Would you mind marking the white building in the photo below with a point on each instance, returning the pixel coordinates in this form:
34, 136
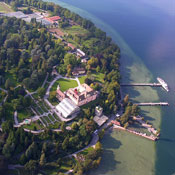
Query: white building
100, 120
67, 108
17, 14
98, 110
80, 53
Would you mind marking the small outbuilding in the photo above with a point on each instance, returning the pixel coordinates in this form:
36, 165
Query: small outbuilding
100, 120
78, 71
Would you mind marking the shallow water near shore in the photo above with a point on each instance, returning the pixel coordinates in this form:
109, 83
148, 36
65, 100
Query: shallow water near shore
144, 30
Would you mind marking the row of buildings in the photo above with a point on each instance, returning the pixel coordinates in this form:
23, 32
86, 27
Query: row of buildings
40, 17
49, 21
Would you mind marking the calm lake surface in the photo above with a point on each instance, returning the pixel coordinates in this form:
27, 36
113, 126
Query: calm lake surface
145, 32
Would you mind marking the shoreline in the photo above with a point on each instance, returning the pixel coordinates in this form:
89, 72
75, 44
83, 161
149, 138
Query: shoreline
145, 75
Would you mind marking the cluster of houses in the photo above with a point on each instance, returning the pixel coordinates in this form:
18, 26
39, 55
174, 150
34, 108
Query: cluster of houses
40, 17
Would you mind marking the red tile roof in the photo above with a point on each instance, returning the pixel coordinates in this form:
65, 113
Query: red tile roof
116, 122
53, 18
71, 46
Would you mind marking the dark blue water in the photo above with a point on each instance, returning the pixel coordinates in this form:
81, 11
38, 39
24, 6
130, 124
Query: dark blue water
145, 32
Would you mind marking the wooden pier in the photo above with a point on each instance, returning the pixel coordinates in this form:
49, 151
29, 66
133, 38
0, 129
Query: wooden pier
153, 104
143, 84
151, 137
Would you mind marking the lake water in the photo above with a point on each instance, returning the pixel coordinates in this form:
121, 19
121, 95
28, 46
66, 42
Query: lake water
145, 32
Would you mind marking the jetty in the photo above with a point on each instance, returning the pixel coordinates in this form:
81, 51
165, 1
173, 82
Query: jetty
143, 84
153, 104
151, 137
161, 83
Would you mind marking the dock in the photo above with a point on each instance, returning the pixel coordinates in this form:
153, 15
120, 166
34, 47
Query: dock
153, 104
143, 84
161, 83
151, 137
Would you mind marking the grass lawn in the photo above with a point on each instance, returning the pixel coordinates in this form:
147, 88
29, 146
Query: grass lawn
91, 42
46, 105
72, 42
32, 126
64, 84
42, 106
82, 79
98, 77
56, 117
76, 30
4, 8
43, 121
39, 110
51, 118
47, 119
85, 152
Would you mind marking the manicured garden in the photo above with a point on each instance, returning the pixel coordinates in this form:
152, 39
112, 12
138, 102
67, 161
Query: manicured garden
82, 79
99, 77
64, 84
34, 126
96, 76
24, 114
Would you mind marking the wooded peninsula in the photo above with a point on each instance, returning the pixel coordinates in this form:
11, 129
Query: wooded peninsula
59, 89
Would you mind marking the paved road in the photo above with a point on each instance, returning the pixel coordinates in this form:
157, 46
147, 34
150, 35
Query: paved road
50, 86
79, 84
93, 142
15, 118
4, 90
45, 80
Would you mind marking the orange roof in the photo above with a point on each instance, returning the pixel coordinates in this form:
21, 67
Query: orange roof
116, 122
59, 92
54, 18
71, 46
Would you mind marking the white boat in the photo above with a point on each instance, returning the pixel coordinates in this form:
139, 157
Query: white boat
163, 83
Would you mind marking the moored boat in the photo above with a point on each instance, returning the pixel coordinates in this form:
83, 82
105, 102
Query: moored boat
163, 83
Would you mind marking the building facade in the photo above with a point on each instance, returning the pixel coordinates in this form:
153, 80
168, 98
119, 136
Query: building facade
82, 94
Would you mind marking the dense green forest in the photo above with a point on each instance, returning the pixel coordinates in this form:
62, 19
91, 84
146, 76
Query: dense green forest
27, 53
